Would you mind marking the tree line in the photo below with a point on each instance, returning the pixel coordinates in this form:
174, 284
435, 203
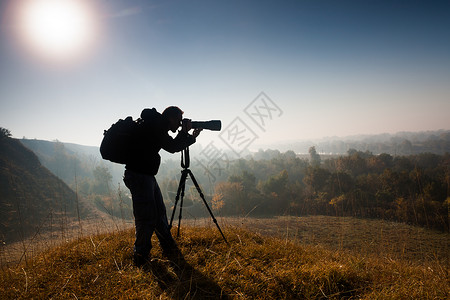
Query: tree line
413, 189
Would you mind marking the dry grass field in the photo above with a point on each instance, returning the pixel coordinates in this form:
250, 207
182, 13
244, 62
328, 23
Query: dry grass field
394, 240
282, 258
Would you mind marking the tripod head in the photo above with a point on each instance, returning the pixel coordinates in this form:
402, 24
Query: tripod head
185, 158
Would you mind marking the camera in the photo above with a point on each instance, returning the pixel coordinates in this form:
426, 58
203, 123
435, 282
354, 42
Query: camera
214, 125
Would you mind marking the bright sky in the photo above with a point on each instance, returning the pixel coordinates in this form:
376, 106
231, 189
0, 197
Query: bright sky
326, 68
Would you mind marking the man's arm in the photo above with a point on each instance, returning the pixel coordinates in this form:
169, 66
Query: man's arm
180, 142
183, 138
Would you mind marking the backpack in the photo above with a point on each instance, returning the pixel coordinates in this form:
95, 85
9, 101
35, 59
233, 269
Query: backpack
120, 140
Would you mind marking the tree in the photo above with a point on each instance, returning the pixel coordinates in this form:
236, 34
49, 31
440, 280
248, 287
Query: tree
405, 147
276, 184
314, 157
247, 179
103, 179
316, 179
4, 133
228, 198
276, 192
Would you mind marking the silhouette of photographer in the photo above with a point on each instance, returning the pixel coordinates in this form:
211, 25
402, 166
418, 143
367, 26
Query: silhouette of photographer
148, 206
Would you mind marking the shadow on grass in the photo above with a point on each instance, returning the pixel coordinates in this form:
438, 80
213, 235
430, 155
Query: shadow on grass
180, 280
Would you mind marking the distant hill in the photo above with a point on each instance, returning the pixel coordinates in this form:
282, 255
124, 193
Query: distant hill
66, 160
400, 143
48, 148
31, 197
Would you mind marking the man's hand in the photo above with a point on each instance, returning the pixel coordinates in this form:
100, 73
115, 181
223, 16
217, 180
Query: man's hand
196, 132
186, 125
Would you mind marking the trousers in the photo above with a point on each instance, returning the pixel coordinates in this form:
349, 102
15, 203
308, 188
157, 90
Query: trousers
149, 212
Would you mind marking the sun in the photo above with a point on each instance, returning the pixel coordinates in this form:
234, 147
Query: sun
57, 30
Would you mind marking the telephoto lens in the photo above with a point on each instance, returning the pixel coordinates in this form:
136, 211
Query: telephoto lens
214, 125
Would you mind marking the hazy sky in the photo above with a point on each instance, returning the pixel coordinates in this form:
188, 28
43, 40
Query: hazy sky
326, 68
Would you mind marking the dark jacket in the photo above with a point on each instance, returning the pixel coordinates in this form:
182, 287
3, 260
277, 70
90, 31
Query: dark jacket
152, 137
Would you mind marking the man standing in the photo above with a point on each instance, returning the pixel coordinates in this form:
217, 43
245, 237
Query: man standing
148, 206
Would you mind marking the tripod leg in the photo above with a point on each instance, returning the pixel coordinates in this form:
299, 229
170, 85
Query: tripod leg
181, 205
180, 188
206, 204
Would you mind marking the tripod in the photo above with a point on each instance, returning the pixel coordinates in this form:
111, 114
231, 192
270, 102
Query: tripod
185, 162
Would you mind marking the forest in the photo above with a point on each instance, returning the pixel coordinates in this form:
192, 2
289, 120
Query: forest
413, 189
